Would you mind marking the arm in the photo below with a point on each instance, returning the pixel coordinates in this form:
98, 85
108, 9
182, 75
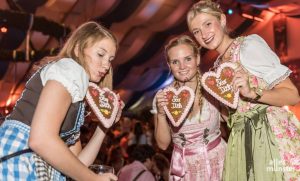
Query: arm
284, 93
275, 96
49, 115
88, 154
258, 58
162, 130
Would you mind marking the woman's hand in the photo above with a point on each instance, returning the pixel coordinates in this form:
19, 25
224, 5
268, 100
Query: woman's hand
121, 106
107, 177
161, 101
162, 130
241, 82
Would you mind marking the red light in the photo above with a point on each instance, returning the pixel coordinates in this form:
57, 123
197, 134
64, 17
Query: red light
3, 29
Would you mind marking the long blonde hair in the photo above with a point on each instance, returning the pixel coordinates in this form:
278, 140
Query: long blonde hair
186, 40
85, 35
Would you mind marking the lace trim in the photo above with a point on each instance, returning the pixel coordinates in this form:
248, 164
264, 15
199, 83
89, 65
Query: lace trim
72, 140
232, 50
280, 79
78, 122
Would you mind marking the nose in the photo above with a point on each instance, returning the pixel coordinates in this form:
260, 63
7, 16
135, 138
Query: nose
204, 34
181, 66
106, 64
201, 35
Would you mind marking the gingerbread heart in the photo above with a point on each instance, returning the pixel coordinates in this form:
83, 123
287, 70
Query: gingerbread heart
218, 84
179, 103
104, 103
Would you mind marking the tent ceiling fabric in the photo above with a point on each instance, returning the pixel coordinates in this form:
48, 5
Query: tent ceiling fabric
142, 27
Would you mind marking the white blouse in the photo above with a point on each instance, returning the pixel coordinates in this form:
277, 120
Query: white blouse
70, 74
258, 58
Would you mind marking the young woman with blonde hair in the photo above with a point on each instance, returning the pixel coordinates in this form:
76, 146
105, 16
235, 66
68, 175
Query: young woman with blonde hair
198, 149
39, 140
264, 142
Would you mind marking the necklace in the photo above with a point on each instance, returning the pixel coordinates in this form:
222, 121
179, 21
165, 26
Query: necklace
220, 57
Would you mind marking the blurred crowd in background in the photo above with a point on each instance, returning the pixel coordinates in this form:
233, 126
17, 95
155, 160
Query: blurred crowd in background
123, 142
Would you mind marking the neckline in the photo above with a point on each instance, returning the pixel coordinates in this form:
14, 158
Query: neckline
220, 57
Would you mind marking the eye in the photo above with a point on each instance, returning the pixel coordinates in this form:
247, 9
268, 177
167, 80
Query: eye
174, 62
188, 59
195, 32
101, 54
208, 24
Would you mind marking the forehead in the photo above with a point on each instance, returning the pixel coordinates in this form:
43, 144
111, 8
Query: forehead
201, 18
102, 41
180, 50
105, 43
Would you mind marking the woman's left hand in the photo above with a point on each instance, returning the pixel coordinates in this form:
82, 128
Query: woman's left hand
241, 82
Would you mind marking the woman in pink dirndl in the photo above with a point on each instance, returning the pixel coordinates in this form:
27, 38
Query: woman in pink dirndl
198, 149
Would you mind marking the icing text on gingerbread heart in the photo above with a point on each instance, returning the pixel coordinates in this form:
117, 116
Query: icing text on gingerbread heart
218, 84
104, 103
179, 103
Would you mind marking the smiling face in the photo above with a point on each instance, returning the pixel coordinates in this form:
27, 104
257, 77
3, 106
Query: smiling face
208, 30
183, 62
98, 57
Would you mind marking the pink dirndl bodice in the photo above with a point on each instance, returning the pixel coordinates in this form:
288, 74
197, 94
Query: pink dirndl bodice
199, 150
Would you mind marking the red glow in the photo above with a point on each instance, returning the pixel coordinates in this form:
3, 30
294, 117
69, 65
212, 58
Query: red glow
3, 29
8, 102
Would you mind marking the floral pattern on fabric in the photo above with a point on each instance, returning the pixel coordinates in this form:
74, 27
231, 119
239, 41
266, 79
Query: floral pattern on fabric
284, 124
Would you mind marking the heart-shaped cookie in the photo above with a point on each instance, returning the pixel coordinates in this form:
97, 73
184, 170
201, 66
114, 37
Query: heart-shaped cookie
179, 103
218, 84
104, 103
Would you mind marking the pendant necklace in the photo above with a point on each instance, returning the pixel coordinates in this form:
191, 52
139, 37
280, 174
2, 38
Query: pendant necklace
220, 57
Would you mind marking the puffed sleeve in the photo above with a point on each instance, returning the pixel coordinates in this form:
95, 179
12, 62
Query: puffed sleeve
258, 58
70, 74
154, 107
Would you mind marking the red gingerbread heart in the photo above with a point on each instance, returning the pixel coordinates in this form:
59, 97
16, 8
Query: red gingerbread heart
104, 103
179, 103
218, 84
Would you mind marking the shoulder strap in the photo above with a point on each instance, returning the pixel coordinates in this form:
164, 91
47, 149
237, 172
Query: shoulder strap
138, 175
4, 158
236, 49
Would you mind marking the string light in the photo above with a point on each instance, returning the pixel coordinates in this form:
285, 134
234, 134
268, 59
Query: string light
248, 16
274, 10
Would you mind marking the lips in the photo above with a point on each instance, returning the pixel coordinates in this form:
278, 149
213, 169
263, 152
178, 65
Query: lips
101, 74
182, 73
208, 40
